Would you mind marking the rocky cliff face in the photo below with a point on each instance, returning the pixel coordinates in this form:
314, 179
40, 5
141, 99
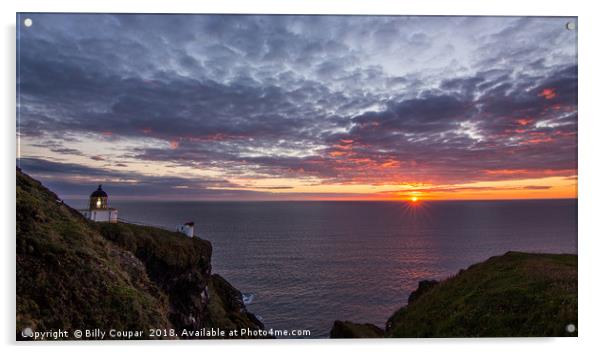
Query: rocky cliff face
513, 295
179, 266
75, 274
227, 310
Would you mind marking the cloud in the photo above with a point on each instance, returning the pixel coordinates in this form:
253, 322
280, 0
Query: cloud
76, 180
462, 189
469, 134
342, 99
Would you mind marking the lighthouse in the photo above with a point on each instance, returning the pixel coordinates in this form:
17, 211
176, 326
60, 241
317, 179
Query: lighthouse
98, 207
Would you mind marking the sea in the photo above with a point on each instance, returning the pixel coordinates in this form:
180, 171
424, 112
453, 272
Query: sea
302, 265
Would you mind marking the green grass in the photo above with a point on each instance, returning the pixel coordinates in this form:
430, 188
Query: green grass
70, 277
517, 294
161, 250
76, 274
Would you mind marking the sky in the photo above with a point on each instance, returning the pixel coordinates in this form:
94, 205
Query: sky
241, 107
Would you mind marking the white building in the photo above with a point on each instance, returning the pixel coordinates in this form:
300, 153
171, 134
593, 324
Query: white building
187, 229
98, 209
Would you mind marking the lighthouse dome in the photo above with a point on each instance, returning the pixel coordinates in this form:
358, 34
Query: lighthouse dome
99, 193
99, 199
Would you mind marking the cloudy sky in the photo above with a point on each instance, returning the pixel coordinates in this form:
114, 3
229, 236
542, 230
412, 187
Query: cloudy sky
207, 107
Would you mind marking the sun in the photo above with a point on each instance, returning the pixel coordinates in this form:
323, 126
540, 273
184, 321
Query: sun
414, 199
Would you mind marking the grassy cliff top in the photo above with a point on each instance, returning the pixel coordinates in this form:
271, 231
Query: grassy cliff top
69, 276
169, 250
516, 294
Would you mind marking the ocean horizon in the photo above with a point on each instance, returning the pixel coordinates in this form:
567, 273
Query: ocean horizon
305, 264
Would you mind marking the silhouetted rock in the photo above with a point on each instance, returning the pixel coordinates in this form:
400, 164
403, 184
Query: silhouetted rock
423, 287
346, 329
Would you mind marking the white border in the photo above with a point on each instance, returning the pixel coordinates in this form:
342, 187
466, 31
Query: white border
590, 19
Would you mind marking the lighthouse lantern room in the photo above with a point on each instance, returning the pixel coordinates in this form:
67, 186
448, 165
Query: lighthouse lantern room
98, 199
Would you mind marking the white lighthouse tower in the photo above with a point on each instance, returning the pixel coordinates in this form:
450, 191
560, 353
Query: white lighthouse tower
98, 208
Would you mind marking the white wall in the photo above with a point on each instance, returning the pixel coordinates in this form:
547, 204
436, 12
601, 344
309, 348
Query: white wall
102, 215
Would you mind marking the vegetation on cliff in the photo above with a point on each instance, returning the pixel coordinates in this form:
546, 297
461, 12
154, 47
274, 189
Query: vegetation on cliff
347, 329
76, 274
516, 294
70, 277
180, 266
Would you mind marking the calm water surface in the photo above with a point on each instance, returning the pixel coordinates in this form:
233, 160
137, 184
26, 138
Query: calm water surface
310, 263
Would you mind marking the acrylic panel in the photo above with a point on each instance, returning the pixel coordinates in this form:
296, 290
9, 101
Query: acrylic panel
185, 176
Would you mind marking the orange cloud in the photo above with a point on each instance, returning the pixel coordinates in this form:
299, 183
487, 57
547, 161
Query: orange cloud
537, 140
524, 121
506, 172
548, 93
390, 164
337, 153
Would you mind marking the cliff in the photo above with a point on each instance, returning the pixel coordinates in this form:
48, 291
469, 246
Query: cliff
513, 295
76, 274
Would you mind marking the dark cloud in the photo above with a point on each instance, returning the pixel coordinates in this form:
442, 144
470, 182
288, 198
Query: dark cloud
345, 99
434, 112
537, 187
75, 180
58, 147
